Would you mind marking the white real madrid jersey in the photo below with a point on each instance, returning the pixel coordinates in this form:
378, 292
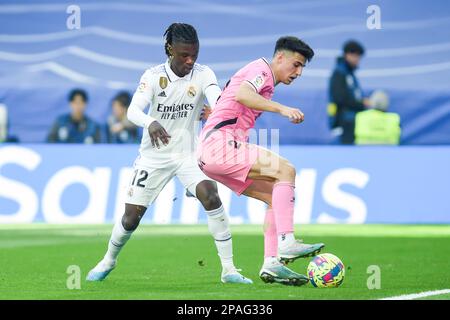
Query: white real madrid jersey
176, 103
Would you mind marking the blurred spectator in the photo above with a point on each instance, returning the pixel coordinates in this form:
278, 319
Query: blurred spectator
376, 126
119, 128
75, 127
4, 126
3, 123
345, 93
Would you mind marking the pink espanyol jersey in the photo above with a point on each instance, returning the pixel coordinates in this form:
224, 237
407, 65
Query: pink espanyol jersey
232, 116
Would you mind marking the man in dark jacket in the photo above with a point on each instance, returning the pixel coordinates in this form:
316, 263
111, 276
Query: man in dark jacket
345, 92
76, 126
119, 128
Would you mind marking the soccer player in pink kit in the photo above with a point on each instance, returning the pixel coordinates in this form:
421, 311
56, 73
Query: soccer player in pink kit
225, 155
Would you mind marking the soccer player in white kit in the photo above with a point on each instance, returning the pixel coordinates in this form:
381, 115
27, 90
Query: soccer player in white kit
176, 91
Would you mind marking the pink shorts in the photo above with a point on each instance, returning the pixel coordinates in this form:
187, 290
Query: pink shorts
226, 160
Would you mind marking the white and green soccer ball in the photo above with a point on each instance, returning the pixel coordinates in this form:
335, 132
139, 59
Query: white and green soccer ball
326, 271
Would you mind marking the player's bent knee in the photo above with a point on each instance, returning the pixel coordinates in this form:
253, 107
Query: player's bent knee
130, 223
290, 169
211, 201
132, 217
208, 195
287, 172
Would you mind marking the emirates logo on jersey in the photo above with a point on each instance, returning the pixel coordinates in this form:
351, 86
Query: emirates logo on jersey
191, 92
175, 111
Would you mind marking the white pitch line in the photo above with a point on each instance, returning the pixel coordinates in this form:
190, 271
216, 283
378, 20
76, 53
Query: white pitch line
418, 295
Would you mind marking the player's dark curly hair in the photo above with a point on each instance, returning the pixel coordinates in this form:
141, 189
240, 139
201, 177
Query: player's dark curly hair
179, 32
294, 44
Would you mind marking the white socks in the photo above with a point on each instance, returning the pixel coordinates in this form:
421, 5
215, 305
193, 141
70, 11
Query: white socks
285, 240
118, 239
218, 226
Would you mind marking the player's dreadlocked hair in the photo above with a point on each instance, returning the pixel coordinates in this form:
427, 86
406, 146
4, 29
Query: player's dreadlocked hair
179, 32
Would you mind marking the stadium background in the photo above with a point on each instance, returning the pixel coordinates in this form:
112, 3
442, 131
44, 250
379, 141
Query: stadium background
409, 58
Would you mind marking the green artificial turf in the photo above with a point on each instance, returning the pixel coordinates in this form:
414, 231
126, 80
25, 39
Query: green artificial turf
180, 262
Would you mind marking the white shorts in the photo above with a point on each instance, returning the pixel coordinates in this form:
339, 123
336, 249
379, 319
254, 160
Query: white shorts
150, 177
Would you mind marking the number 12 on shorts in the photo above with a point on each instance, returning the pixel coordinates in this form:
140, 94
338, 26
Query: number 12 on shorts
143, 175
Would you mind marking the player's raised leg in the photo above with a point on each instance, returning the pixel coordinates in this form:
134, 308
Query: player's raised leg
281, 174
121, 232
272, 270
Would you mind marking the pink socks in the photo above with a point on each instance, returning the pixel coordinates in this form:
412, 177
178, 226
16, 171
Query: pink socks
283, 201
270, 235
279, 221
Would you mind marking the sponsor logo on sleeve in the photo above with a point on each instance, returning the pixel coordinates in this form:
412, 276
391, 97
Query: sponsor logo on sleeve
258, 81
142, 87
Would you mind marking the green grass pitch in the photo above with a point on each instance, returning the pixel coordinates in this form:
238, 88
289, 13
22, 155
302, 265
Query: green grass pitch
180, 262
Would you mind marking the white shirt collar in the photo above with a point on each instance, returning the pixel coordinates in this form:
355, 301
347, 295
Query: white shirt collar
173, 76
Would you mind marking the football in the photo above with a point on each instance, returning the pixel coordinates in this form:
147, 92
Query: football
326, 271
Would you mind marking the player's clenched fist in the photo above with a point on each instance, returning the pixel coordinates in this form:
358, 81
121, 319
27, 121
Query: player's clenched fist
294, 115
157, 132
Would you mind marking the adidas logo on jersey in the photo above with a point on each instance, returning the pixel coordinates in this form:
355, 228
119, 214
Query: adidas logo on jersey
162, 94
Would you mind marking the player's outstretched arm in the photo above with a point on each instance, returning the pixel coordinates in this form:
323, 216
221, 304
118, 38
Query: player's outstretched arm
251, 99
